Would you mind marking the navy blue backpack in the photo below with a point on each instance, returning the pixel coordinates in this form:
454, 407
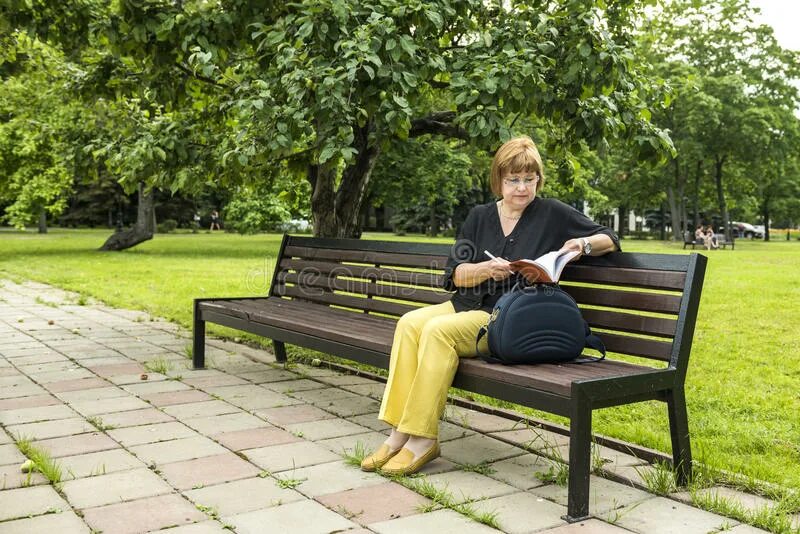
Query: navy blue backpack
540, 323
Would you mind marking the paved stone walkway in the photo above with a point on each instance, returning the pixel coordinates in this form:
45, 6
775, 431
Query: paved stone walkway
144, 443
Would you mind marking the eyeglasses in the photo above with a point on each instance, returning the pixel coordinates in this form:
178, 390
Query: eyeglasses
527, 181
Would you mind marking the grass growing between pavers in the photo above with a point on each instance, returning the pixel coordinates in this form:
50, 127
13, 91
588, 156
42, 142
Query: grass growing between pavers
41, 460
744, 412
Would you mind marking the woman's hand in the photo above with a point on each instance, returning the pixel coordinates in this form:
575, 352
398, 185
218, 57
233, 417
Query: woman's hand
498, 268
575, 245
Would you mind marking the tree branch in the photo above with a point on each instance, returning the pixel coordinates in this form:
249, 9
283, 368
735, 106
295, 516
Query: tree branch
438, 123
200, 77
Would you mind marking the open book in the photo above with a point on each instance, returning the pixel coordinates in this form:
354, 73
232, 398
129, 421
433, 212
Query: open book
545, 268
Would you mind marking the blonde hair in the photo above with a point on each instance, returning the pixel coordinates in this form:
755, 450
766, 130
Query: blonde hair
516, 155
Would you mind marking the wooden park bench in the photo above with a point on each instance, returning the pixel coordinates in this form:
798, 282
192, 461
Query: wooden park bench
343, 297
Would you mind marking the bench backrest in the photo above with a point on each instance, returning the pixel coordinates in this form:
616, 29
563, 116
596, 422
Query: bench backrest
641, 305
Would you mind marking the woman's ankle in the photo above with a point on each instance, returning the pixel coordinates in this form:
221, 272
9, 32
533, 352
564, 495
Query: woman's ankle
396, 439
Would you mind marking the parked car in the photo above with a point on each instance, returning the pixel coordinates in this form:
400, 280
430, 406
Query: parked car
760, 229
743, 229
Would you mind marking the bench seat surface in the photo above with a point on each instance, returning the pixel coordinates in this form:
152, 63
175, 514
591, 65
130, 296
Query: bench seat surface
375, 333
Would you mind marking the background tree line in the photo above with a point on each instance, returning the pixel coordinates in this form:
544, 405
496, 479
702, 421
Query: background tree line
160, 109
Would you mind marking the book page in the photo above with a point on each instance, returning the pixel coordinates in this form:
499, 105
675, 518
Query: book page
545, 268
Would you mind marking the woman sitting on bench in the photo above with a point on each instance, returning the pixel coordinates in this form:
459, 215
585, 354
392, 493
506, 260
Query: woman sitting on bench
711, 238
429, 341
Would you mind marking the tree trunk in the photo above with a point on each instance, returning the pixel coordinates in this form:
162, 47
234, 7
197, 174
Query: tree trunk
663, 236
696, 198
42, 221
335, 213
144, 228
765, 214
623, 221
723, 206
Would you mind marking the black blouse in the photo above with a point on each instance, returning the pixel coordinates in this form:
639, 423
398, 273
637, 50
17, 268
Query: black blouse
544, 226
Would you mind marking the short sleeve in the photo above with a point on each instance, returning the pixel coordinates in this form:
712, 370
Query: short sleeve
464, 250
582, 226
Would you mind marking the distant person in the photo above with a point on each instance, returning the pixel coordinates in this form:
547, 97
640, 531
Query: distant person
700, 235
215, 220
711, 238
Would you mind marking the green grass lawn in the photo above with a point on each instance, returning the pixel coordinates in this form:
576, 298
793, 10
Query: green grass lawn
743, 386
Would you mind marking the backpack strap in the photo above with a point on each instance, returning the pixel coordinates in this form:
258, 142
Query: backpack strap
485, 356
593, 342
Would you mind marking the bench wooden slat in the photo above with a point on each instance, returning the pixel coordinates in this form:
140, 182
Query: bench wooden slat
628, 322
555, 378
628, 300
380, 274
316, 282
650, 279
350, 301
425, 261
636, 346
338, 325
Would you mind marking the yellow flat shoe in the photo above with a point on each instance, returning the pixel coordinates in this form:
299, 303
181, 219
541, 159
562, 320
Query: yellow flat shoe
377, 459
403, 462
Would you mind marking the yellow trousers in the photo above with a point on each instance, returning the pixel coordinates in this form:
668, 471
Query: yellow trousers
425, 351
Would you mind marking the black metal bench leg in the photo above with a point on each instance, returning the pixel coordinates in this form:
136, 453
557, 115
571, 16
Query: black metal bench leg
679, 432
280, 351
198, 338
580, 444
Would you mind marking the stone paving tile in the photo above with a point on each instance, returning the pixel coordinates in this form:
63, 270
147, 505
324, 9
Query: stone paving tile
746, 529
65, 522
143, 515
39, 358
440, 522
24, 395
293, 414
39, 368
32, 415
255, 397
522, 513
290, 456
449, 431
659, 515
225, 423
177, 450
482, 422
243, 495
9, 454
207, 470
204, 527
254, 438
115, 487
200, 409
538, 439
465, 485
614, 459
478, 448
605, 496
144, 388
332, 477
98, 463
521, 471
325, 429
348, 444
355, 406
290, 386
24, 502
95, 394
11, 477
77, 444
374, 390
373, 504
104, 406
57, 376
52, 429
76, 385
372, 422
140, 435
323, 397
267, 375
349, 379
207, 382
124, 380
591, 526
169, 398
308, 517
136, 417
